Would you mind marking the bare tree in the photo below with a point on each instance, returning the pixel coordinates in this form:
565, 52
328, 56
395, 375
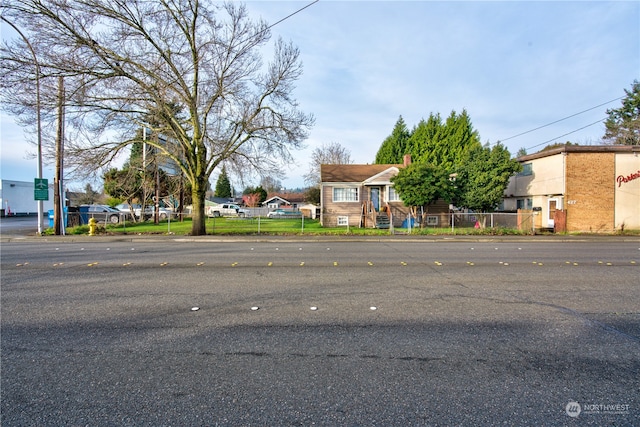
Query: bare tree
328, 154
271, 184
122, 59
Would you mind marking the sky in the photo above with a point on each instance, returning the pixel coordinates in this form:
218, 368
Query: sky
514, 66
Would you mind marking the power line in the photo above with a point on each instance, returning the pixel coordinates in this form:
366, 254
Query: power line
558, 121
294, 13
568, 133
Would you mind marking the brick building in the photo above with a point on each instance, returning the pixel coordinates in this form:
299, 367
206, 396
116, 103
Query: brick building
579, 188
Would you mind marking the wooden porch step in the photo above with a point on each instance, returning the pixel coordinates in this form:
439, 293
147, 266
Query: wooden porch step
382, 221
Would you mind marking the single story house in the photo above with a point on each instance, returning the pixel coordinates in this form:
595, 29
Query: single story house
363, 196
579, 188
280, 202
292, 201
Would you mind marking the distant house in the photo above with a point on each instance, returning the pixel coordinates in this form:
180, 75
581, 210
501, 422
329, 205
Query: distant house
363, 196
294, 202
276, 202
221, 200
579, 188
284, 201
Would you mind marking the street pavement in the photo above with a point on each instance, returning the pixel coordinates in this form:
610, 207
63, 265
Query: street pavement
21, 226
332, 332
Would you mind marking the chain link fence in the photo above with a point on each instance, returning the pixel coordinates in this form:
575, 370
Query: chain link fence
522, 221
259, 222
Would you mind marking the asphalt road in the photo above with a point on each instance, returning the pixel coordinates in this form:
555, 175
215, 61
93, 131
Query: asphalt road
403, 333
17, 226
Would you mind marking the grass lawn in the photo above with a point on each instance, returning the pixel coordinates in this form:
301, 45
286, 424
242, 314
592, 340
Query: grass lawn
268, 226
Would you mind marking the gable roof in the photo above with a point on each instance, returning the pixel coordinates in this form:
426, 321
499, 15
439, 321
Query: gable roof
382, 178
352, 173
288, 198
270, 199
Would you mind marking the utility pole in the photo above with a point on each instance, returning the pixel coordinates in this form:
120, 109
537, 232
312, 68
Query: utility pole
156, 198
58, 198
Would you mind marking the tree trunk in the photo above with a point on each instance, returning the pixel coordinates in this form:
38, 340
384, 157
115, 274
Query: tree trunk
482, 220
198, 218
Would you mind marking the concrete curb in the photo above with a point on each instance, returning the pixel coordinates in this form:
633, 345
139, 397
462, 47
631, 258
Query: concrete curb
150, 238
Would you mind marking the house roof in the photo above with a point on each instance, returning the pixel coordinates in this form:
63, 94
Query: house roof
270, 199
581, 149
352, 173
288, 198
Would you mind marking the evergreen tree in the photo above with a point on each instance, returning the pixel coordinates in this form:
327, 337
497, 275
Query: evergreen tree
261, 192
623, 124
312, 195
441, 144
395, 146
223, 185
483, 178
89, 197
447, 143
424, 138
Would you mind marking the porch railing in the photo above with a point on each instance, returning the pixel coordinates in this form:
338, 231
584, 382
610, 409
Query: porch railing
370, 217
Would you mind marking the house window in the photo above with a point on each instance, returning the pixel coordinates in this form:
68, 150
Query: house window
524, 203
343, 220
527, 170
432, 220
393, 195
345, 194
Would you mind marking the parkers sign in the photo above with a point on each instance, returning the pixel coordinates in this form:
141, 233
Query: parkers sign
621, 179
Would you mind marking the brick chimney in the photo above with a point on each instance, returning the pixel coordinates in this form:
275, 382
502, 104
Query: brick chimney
406, 160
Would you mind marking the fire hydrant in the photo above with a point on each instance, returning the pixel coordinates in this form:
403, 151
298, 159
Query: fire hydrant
93, 224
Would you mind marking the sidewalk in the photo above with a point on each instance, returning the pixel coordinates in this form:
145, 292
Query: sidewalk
13, 238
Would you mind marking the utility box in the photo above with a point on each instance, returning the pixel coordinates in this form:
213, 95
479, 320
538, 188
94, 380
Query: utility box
65, 217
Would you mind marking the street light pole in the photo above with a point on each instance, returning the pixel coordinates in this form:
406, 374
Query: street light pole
38, 121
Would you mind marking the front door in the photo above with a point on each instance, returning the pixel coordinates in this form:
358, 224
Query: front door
552, 212
375, 198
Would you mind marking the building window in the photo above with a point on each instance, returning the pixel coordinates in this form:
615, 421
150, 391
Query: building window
432, 220
527, 170
345, 194
343, 220
393, 195
524, 203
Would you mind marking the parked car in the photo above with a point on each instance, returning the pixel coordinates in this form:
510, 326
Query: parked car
124, 207
102, 213
284, 213
149, 210
163, 213
227, 209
